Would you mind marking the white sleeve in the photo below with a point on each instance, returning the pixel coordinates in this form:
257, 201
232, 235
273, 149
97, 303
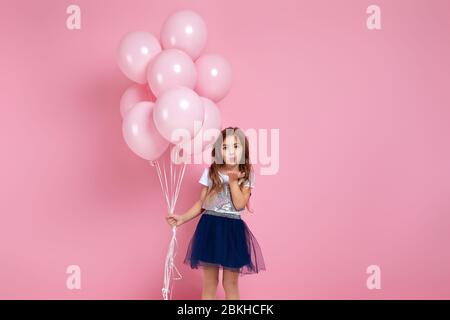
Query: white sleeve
204, 178
251, 181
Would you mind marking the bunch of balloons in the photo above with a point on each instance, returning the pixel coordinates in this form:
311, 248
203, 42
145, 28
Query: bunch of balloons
176, 86
172, 103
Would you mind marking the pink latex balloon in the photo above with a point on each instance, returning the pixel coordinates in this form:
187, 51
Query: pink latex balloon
169, 69
185, 30
210, 131
140, 133
136, 50
178, 108
134, 94
213, 76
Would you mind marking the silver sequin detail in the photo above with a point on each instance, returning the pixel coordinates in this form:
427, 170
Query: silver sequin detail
223, 214
221, 201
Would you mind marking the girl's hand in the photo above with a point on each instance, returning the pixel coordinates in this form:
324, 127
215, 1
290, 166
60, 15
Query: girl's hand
235, 176
175, 219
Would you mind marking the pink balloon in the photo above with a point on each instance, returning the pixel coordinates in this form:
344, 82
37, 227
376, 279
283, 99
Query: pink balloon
177, 111
136, 50
213, 77
134, 94
210, 131
169, 69
185, 30
140, 133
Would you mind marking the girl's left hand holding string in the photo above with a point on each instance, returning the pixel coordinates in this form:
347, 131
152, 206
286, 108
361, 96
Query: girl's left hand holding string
175, 219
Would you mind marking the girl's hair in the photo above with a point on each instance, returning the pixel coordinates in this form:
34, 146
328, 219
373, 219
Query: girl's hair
218, 162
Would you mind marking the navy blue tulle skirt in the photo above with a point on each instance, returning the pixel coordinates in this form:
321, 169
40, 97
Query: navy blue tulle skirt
224, 241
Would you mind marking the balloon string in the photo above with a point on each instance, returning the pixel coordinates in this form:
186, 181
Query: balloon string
167, 188
179, 182
170, 191
175, 179
171, 185
158, 169
169, 266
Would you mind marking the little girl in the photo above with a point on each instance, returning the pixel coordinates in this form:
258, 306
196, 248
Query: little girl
222, 239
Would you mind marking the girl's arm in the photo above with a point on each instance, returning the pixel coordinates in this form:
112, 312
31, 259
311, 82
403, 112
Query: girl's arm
238, 196
194, 211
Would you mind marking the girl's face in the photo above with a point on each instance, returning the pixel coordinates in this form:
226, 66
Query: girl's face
232, 150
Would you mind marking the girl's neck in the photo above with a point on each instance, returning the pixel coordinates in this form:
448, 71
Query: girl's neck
230, 167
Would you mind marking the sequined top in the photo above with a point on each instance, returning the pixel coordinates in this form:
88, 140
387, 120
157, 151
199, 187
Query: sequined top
221, 201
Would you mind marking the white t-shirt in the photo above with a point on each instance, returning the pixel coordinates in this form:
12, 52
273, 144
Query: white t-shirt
221, 201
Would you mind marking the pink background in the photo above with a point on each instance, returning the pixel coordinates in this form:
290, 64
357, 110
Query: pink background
364, 172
